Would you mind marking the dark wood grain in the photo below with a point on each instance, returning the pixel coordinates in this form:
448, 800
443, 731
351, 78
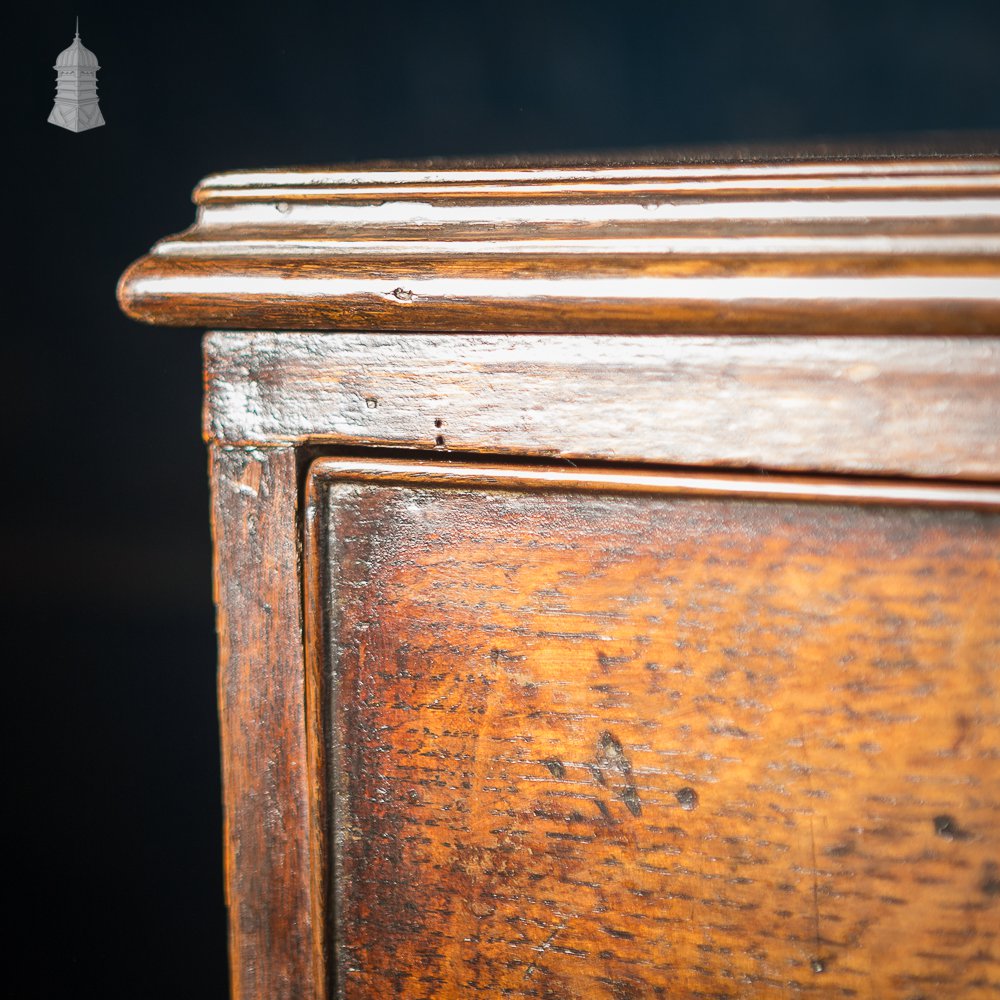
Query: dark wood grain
631, 723
269, 767
596, 743
868, 246
908, 405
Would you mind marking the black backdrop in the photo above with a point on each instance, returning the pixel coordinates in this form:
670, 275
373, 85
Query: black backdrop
110, 678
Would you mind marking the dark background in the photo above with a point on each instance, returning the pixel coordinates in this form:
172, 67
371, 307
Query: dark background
111, 687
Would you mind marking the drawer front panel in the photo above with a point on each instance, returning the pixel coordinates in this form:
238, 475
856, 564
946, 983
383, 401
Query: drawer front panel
592, 742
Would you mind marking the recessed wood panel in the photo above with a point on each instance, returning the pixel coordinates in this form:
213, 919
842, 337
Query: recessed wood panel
593, 743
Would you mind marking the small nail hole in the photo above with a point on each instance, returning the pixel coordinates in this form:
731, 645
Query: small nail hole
687, 799
371, 402
438, 422
947, 827
439, 441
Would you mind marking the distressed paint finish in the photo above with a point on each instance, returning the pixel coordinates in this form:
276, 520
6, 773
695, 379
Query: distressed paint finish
268, 768
596, 743
908, 405
900, 245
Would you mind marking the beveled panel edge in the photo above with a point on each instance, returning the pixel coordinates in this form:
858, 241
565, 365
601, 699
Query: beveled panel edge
747, 486
846, 246
909, 406
313, 535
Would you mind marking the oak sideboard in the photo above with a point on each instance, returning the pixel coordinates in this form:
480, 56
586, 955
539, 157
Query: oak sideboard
607, 559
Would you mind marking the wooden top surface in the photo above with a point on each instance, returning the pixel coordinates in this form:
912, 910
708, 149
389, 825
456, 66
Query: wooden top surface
818, 243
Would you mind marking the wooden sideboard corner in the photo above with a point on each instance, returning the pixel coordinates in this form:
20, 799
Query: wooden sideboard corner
607, 568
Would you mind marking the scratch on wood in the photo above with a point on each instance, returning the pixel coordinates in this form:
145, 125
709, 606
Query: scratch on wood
542, 949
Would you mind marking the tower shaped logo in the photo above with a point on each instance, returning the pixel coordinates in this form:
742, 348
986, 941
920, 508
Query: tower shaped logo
76, 106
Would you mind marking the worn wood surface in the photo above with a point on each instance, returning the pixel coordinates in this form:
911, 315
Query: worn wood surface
596, 743
908, 405
554, 733
268, 760
902, 245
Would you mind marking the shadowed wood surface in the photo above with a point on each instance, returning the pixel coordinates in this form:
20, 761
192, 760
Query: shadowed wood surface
268, 772
878, 245
908, 405
534, 731
595, 743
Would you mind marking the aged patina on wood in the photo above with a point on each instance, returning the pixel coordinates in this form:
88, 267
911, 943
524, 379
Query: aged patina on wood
868, 405
909, 246
526, 693
599, 734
